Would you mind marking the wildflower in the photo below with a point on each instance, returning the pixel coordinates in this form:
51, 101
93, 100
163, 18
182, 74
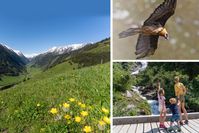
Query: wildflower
101, 125
106, 111
79, 103
84, 113
67, 117
106, 119
77, 119
38, 105
87, 129
66, 105
53, 111
72, 99
83, 105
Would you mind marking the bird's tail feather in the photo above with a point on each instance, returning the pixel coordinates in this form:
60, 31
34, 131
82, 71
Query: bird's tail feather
130, 32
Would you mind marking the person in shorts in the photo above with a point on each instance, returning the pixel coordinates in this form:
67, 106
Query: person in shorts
180, 92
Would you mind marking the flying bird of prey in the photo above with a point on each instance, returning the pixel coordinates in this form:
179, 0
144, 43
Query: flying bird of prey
152, 28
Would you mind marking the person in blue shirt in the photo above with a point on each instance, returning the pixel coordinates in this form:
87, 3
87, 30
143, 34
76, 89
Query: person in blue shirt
175, 113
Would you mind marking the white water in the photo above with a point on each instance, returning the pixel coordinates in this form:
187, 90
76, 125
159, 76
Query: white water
142, 68
153, 103
154, 107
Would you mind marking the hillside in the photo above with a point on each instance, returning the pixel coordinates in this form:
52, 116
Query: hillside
72, 56
11, 64
19, 111
87, 55
26, 107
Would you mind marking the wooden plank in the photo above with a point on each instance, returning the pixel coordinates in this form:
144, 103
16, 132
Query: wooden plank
146, 119
196, 128
194, 123
125, 129
140, 128
114, 127
196, 120
147, 128
184, 130
155, 128
132, 128
189, 129
117, 128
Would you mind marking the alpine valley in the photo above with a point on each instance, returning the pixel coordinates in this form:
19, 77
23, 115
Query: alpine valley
30, 87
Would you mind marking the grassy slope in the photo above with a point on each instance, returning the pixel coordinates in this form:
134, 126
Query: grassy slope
136, 105
7, 80
18, 110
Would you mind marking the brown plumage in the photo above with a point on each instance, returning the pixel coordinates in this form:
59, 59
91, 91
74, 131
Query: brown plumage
152, 28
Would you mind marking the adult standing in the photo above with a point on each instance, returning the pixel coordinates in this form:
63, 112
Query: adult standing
180, 92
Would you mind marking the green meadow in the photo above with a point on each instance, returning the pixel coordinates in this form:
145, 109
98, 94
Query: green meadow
26, 106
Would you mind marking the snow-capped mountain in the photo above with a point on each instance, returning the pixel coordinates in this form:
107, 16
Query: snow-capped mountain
19, 53
67, 48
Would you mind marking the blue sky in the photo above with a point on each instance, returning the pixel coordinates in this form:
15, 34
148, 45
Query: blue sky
34, 26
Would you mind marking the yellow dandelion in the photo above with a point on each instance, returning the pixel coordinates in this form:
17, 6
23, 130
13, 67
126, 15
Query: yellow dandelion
84, 113
66, 105
79, 103
72, 99
102, 123
77, 119
106, 119
83, 105
87, 129
53, 111
67, 117
38, 105
106, 111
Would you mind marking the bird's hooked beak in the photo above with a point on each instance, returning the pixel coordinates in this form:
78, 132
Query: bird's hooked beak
164, 33
166, 36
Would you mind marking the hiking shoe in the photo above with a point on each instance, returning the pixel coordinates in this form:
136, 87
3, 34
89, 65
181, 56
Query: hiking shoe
179, 130
170, 129
181, 123
186, 122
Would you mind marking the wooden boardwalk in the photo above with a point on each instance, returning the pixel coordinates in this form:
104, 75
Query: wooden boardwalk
143, 125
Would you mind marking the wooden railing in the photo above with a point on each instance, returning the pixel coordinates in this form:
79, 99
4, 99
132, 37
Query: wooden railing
146, 118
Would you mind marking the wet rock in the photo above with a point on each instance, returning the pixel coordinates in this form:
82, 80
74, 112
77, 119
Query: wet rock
130, 106
128, 94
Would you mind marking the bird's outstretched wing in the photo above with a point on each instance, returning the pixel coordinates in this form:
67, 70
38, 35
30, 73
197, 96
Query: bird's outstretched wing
162, 13
146, 45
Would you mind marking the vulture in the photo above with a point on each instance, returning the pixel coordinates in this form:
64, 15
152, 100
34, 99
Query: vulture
152, 28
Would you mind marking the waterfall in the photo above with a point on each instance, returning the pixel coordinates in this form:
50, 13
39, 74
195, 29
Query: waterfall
153, 103
154, 107
143, 65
